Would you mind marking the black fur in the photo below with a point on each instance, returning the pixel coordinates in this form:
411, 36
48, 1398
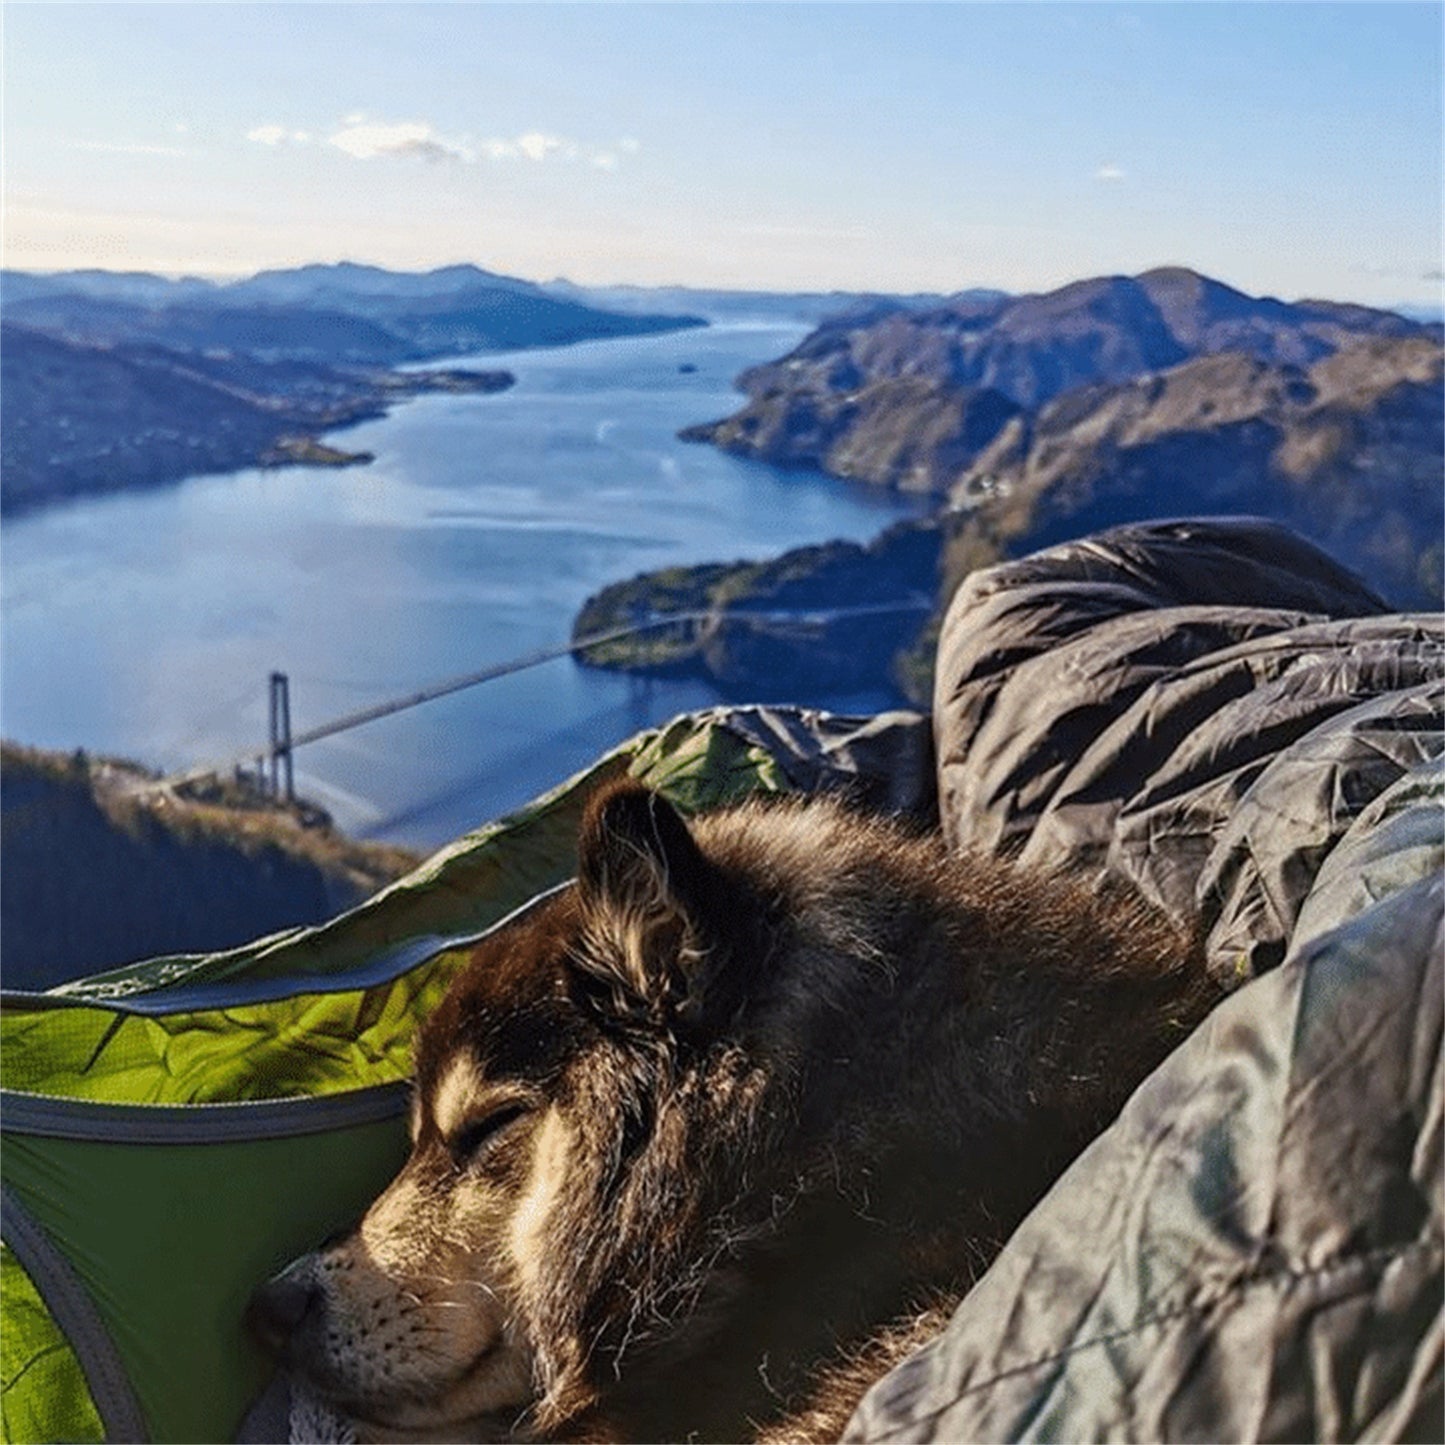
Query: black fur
809, 1072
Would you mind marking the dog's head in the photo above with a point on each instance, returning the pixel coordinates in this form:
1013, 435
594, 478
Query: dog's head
583, 1114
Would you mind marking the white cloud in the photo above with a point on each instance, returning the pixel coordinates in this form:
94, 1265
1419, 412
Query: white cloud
537, 146
276, 135
1109, 173
366, 140
369, 139
630, 144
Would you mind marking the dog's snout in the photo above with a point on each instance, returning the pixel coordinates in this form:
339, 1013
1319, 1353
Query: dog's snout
279, 1306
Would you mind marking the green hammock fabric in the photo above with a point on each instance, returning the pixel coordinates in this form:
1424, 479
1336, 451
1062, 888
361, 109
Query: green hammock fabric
43, 1394
168, 1240
315, 1042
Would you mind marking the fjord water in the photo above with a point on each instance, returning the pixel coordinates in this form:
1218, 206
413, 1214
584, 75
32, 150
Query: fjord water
145, 624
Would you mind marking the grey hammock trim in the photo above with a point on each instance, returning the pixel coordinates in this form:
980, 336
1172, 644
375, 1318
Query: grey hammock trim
51, 1117
74, 1312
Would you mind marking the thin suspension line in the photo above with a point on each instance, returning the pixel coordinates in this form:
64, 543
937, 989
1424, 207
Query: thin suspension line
459, 683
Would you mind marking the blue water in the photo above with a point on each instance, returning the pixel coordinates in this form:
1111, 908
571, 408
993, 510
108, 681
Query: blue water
145, 624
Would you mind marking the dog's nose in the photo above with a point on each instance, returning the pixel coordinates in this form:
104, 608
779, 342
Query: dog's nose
278, 1307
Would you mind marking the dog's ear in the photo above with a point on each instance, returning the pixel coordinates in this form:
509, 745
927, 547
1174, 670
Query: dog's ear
649, 899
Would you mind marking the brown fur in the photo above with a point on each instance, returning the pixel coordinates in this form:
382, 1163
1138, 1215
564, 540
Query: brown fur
690, 1136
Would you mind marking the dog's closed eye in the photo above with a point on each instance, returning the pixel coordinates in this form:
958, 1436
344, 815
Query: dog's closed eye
477, 1135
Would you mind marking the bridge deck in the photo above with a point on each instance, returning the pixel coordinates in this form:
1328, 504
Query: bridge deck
466, 680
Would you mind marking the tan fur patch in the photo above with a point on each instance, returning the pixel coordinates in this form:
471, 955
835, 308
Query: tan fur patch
456, 1096
544, 1187
389, 1232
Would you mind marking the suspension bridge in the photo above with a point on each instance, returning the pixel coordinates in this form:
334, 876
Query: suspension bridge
274, 768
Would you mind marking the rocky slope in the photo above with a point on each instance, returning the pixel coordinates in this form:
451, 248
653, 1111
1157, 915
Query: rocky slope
1347, 451
906, 432
98, 874
83, 418
1038, 419
907, 398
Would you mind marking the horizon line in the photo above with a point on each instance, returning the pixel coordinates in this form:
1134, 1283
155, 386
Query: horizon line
229, 278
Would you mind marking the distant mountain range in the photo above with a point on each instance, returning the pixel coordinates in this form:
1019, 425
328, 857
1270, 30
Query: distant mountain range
809, 307
124, 379
116, 380
1034, 419
340, 314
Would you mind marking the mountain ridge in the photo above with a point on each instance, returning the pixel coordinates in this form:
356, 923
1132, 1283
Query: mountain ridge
341, 311
1327, 417
813, 406
255, 368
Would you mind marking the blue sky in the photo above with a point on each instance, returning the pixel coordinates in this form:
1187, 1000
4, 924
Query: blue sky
1287, 148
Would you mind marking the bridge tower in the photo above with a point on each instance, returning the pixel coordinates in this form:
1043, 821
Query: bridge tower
281, 738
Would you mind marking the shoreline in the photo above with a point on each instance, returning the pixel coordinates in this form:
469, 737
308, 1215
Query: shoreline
273, 620
294, 444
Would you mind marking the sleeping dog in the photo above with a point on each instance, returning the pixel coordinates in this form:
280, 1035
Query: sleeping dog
708, 1140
